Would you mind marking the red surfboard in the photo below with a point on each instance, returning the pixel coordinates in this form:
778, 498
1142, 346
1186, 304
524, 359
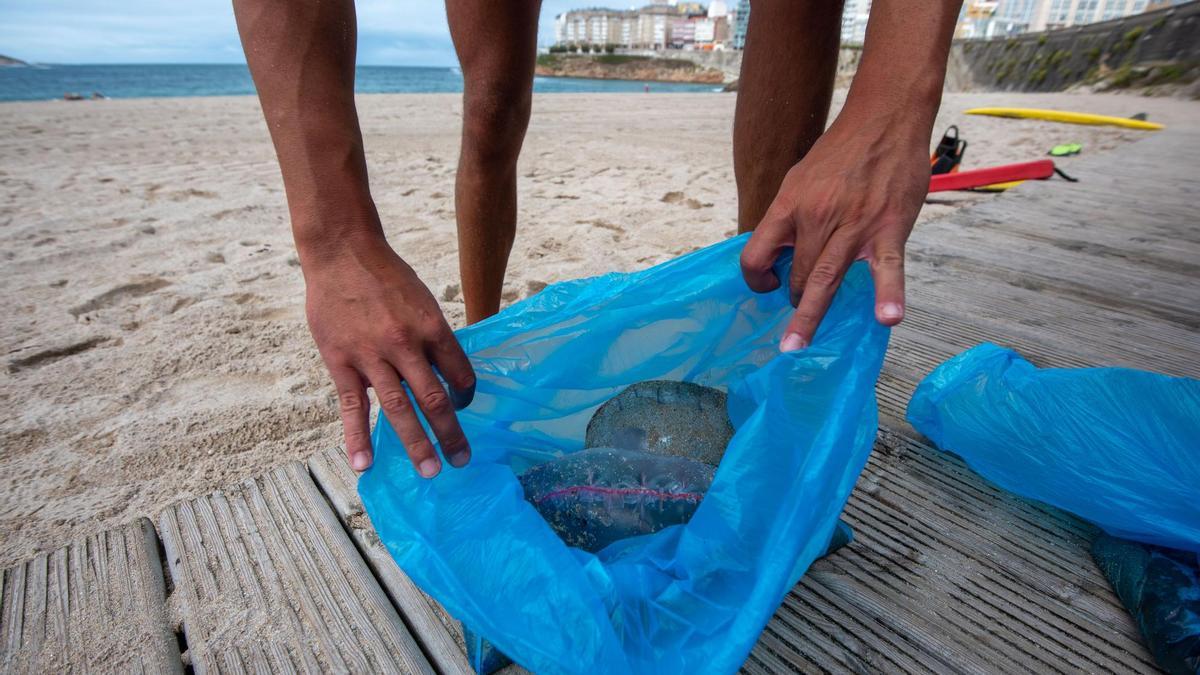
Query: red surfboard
962, 180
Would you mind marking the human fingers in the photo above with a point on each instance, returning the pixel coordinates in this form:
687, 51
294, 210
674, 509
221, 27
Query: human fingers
434, 402
452, 363
887, 268
398, 407
819, 288
354, 410
772, 236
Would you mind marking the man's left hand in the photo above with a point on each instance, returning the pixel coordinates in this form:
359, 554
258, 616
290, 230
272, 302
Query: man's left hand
854, 196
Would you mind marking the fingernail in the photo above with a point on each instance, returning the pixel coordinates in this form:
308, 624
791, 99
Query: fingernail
891, 310
428, 467
462, 399
792, 342
360, 461
460, 459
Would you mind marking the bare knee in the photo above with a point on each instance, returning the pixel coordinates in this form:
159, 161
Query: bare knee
495, 116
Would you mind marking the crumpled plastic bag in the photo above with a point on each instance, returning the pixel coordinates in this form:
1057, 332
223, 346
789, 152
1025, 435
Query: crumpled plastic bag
689, 598
1117, 447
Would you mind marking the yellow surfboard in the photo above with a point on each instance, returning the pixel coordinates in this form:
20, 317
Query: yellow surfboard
1067, 117
999, 187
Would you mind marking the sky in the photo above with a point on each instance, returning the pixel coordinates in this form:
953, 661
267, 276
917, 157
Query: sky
391, 32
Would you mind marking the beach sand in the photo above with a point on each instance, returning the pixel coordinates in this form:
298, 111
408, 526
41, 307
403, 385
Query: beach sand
152, 326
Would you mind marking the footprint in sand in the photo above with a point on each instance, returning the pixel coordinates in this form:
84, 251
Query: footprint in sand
48, 356
182, 195
225, 213
450, 293
676, 197
243, 298
213, 391
602, 224
119, 294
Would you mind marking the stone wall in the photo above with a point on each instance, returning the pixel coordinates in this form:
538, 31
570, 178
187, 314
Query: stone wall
1156, 47
1119, 51
730, 62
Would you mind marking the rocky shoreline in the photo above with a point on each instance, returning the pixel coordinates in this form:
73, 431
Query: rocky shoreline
624, 67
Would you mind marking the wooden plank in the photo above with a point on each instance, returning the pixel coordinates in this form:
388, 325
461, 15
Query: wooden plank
96, 605
430, 624
955, 576
266, 580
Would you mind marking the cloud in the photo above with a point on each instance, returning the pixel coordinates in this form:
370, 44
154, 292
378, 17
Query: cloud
391, 32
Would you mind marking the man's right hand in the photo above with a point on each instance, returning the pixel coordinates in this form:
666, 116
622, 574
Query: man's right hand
376, 325
374, 321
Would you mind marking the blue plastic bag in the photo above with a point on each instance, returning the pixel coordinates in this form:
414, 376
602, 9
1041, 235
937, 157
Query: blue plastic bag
1117, 447
690, 598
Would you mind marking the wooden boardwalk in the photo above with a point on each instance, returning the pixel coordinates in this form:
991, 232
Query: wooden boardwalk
947, 573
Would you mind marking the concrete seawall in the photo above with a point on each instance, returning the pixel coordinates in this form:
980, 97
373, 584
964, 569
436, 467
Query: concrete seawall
730, 62
1121, 52
1159, 47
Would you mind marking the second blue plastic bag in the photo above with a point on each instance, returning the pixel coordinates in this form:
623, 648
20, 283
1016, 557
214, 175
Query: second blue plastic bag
690, 598
1118, 447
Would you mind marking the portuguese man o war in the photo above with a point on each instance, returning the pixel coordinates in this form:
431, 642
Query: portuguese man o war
601, 495
664, 417
650, 455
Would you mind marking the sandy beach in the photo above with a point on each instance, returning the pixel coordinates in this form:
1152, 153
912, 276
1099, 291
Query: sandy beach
152, 325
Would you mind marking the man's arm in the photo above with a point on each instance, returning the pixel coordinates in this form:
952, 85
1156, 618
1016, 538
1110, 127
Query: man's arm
373, 320
858, 191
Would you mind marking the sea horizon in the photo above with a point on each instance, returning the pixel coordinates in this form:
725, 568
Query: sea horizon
53, 81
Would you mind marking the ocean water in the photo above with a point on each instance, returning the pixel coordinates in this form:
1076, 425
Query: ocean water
43, 82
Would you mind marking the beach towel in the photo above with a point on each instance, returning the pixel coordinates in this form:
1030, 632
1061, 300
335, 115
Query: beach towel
688, 598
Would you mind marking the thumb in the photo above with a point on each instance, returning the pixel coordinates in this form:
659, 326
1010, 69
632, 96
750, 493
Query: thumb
772, 236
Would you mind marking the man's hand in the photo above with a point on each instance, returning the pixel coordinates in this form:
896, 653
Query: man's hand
857, 192
855, 196
377, 325
374, 322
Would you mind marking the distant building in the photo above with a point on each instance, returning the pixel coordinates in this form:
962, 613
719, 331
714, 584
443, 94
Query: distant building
854, 21
686, 25
683, 33
991, 18
740, 22
654, 26
690, 25
1063, 13
978, 20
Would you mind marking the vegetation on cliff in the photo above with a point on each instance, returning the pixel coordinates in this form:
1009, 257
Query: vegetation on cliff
625, 67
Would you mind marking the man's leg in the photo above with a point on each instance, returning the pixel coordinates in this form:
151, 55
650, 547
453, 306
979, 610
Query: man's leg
497, 48
784, 90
